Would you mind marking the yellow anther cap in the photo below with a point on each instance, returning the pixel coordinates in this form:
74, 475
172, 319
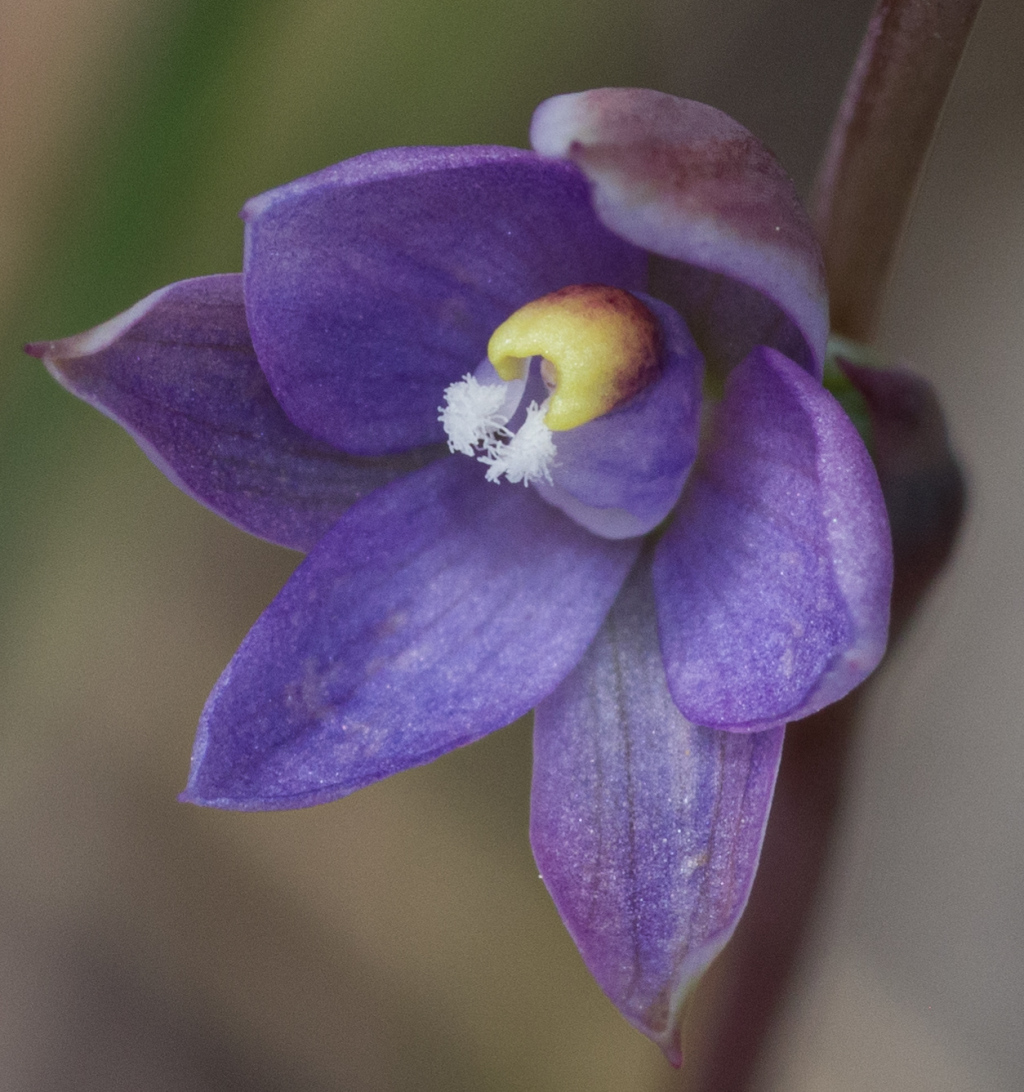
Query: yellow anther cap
601, 342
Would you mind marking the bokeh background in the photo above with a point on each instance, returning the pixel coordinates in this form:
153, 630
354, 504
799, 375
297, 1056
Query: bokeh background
401, 939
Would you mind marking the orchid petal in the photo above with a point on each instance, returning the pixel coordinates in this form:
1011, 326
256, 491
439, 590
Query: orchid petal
438, 609
178, 372
646, 828
773, 580
684, 180
374, 284
630, 464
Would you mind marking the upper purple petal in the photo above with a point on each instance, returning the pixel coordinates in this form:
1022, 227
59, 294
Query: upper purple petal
372, 285
646, 829
626, 468
178, 372
773, 580
684, 180
438, 609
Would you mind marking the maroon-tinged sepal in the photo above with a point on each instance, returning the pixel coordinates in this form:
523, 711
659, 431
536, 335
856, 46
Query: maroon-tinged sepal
685, 181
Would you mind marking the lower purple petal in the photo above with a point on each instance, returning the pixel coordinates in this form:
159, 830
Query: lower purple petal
646, 828
179, 373
773, 581
438, 609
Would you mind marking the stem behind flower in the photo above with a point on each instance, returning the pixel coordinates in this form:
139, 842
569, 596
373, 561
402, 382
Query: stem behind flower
878, 145
865, 186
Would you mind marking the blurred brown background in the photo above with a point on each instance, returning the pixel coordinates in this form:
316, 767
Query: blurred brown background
400, 939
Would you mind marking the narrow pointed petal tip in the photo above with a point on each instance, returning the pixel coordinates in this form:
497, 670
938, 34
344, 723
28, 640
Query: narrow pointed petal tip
646, 829
774, 580
178, 372
683, 180
438, 609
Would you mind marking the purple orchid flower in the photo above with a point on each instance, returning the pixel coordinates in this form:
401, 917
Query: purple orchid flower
418, 330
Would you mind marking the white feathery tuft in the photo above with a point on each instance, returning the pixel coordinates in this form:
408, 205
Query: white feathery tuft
471, 415
528, 455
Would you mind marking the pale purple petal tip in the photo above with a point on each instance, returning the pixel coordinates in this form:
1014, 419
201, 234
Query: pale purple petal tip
438, 609
647, 829
178, 372
774, 579
684, 180
374, 284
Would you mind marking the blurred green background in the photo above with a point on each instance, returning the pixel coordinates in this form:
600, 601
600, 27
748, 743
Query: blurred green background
401, 939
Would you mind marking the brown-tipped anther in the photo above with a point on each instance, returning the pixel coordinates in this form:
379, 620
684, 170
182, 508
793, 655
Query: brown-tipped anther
600, 345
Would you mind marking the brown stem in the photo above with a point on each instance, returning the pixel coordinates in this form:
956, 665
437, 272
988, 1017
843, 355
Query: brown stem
878, 145
736, 1003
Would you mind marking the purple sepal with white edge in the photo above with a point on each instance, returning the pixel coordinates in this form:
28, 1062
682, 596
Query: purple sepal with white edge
178, 372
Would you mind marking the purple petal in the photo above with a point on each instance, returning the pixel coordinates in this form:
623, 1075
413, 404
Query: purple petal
773, 581
373, 284
438, 609
646, 829
179, 373
684, 180
629, 465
